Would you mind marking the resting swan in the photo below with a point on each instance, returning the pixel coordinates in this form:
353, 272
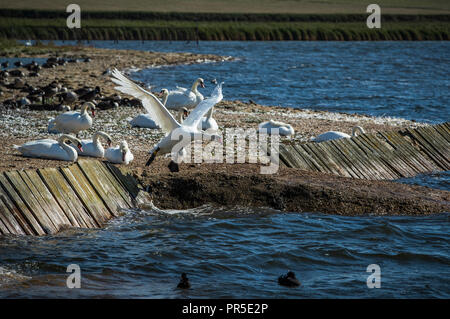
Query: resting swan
93, 147
74, 121
182, 97
120, 154
170, 126
208, 123
334, 135
284, 129
51, 149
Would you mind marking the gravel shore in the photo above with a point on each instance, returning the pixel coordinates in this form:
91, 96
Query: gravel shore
22, 124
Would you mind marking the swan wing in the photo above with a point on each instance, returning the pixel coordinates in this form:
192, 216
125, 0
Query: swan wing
203, 107
180, 89
151, 103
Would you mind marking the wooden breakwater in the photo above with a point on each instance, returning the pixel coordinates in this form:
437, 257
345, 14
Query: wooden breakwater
383, 155
85, 194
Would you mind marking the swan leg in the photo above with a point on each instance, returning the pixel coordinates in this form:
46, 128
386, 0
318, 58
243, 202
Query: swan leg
174, 167
152, 157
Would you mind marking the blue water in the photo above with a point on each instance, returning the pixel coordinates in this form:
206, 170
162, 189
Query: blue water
239, 252
398, 79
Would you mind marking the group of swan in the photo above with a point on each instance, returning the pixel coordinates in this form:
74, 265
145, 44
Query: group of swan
197, 124
207, 122
64, 149
165, 120
73, 122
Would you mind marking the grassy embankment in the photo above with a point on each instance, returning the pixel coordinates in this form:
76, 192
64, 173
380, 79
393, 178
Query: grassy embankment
51, 25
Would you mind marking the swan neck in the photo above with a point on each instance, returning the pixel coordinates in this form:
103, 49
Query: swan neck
180, 116
357, 130
70, 150
194, 87
96, 140
165, 97
84, 109
210, 113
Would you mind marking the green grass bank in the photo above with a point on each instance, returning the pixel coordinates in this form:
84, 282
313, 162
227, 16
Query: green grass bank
51, 25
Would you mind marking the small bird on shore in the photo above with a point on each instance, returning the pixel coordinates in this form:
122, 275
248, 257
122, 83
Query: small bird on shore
184, 282
67, 97
289, 280
90, 95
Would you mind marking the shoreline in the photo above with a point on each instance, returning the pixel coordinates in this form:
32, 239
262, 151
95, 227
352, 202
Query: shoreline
289, 190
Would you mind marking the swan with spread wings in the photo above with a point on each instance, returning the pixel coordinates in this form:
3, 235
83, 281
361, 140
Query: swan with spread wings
178, 135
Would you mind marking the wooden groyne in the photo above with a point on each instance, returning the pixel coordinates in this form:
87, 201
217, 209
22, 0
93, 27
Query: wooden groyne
383, 155
85, 194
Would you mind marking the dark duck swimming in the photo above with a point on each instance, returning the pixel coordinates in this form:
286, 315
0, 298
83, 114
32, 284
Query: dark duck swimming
184, 282
289, 280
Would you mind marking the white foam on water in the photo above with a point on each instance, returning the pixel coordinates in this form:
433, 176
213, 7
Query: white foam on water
10, 276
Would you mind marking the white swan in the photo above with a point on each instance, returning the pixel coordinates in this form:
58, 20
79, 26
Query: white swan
120, 154
284, 128
94, 147
51, 122
178, 135
208, 123
51, 149
144, 120
74, 121
182, 97
51, 126
334, 135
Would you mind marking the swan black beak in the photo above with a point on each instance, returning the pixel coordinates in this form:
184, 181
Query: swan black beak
80, 147
150, 160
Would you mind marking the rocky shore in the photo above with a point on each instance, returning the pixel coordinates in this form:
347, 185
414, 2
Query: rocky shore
220, 184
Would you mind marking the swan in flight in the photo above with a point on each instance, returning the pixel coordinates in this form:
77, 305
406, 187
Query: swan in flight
178, 135
182, 97
51, 149
334, 135
120, 154
74, 121
208, 123
145, 120
94, 147
284, 128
